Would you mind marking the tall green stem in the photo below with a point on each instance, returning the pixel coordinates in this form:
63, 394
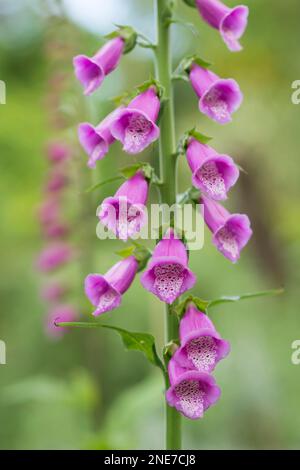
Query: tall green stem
167, 149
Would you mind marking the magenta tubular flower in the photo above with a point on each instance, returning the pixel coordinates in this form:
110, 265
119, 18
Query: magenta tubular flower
58, 152
135, 127
61, 313
48, 212
124, 214
191, 392
53, 292
105, 292
97, 140
201, 346
231, 232
218, 98
91, 71
213, 174
231, 22
167, 275
55, 256
57, 182
56, 230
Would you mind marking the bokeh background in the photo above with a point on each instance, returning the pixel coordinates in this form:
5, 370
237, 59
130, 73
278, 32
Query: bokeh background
84, 390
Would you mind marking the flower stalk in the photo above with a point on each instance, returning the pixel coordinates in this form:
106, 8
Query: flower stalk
168, 169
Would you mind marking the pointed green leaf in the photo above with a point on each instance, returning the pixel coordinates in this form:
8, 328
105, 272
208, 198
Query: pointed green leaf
130, 170
142, 342
190, 3
102, 183
190, 26
237, 298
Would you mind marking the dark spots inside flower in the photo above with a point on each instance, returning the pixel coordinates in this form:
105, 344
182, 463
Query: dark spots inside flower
168, 281
191, 398
202, 352
136, 133
212, 180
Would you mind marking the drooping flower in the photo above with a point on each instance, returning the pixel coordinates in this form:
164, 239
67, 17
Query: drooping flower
56, 230
91, 71
58, 152
213, 174
231, 232
55, 255
218, 98
231, 22
53, 292
48, 212
105, 291
191, 392
57, 181
167, 275
96, 140
201, 346
124, 213
60, 314
135, 126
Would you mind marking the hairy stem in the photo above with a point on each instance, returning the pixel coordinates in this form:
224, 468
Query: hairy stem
167, 149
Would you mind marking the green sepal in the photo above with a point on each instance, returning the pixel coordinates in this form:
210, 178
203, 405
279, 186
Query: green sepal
201, 305
169, 349
142, 342
185, 64
145, 167
128, 34
192, 133
141, 253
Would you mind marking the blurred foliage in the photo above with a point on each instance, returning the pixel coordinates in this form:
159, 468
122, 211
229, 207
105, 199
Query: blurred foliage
84, 391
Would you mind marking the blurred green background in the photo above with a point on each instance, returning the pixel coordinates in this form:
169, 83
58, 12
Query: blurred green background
85, 391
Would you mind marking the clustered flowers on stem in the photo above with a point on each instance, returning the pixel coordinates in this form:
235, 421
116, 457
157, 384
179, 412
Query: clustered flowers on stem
135, 124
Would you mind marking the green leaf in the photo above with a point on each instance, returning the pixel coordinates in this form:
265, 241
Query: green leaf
102, 183
190, 26
237, 298
201, 304
142, 342
130, 170
190, 3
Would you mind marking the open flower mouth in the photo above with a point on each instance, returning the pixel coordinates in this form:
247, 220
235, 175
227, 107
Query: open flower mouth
202, 352
228, 243
107, 300
221, 100
88, 73
231, 238
211, 180
135, 130
122, 217
233, 27
137, 133
190, 398
169, 279
93, 143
